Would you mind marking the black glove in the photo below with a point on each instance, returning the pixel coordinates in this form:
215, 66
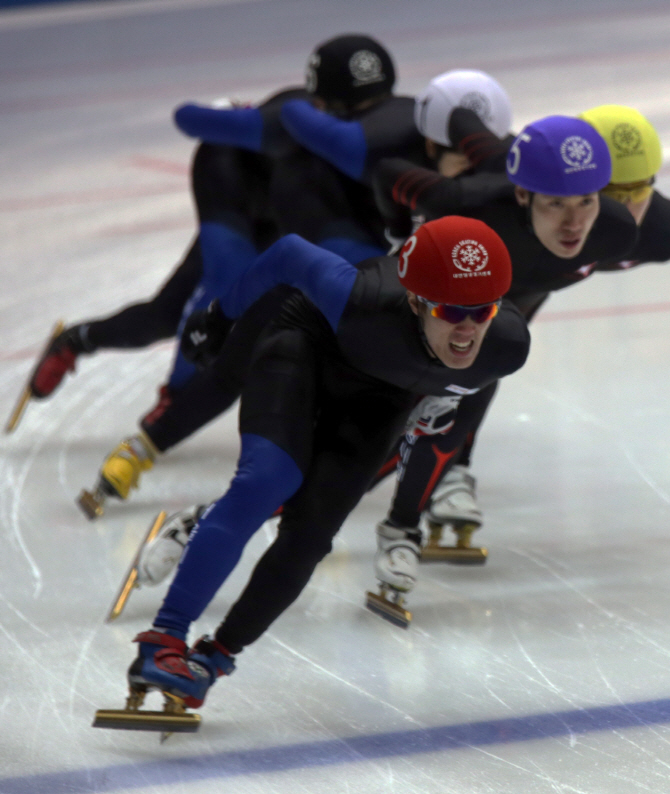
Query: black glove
204, 333
397, 217
474, 139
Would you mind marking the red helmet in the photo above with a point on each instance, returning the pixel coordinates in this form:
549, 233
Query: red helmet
455, 260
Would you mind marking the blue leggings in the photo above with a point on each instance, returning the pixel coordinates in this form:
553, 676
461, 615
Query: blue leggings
266, 477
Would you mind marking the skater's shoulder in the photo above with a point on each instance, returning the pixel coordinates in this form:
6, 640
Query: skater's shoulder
653, 244
508, 338
615, 229
377, 286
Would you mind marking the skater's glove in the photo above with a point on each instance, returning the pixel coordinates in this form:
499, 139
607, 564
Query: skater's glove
204, 333
397, 216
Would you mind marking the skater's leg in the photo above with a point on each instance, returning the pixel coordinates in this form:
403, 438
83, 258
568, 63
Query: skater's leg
426, 459
267, 476
142, 324
214, 390
135, 326
426, 484
226, 187
351, 442
390, 464
276, 422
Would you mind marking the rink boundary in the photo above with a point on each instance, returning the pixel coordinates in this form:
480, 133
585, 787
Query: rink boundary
350, 750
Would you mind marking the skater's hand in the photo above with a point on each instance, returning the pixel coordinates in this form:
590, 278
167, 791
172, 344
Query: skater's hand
397, 217
204, 333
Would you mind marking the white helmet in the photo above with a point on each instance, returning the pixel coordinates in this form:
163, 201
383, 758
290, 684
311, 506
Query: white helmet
465, 88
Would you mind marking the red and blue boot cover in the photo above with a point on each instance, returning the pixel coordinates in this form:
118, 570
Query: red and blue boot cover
164, 662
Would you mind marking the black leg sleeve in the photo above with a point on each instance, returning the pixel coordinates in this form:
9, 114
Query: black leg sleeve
211, 392
142, 324
350, 446
426, 459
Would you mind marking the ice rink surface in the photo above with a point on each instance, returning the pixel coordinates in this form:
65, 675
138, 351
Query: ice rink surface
545, 671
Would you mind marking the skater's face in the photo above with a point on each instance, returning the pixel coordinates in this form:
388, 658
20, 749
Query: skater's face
636, 196
561, 223
456, 345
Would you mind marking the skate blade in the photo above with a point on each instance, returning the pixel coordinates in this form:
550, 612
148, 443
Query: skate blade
388, 610
128, 720
92, 504
26, 394
130, 580
19, 408
454, 555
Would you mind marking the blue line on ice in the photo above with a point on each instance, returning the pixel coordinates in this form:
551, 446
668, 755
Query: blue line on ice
349, 750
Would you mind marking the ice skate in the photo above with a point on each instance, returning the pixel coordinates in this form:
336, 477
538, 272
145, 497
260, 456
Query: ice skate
131, 579
396, 568
27, 392
160, 554
119, 474
454, 504
157, 555
183, 677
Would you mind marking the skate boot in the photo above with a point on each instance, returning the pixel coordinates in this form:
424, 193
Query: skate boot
183, 676
454, 503
57, 358
159, 557
119, 473
396, 568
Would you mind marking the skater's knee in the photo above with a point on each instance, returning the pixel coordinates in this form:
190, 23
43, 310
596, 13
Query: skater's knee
266, 477
310, 543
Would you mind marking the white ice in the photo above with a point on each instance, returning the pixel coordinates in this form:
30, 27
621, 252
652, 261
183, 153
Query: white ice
565, 633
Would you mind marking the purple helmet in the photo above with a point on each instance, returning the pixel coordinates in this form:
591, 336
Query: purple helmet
559, 156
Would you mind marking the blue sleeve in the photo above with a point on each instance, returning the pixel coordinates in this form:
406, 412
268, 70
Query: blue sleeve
324, 277
341, 143
242, 127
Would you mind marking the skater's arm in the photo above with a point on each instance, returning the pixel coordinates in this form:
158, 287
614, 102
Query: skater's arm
324, 277
341, 143
240, 127
469, 134
258, 129
425, 192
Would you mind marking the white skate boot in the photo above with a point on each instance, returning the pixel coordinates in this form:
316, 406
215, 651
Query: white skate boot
396, 568
454, 503
160, 556
454, 498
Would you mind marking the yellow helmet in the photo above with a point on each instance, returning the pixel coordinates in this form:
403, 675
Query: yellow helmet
634, 144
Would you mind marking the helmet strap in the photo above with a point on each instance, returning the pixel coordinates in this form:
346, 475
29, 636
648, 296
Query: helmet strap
529, 213
424, 338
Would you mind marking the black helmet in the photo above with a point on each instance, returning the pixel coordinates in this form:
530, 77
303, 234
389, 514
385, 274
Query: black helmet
350, 69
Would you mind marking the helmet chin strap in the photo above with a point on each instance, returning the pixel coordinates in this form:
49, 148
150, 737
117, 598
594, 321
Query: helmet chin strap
529, 213
424, 338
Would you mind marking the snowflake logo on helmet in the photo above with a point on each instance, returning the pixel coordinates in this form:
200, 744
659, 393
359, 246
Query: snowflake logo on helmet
626, 139
366, 67
470, 256
478, 103
311, 77
577, 152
